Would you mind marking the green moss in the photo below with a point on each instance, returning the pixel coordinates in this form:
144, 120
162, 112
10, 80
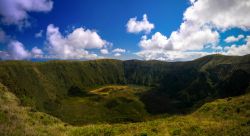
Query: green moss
3, 117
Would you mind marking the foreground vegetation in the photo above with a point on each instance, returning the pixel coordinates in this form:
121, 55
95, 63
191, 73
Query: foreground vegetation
229, 116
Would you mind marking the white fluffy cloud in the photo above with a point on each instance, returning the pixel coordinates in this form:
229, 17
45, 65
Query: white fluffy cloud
104, 51
119, 50
158, 41
240, 49
232, 38
73, 45
134, 26
193, 37
192, 1
16, 51
16, 11
117, 54
37, 53
222, 14
202, 23
189, 37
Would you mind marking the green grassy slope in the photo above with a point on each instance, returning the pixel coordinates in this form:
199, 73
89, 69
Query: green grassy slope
63, 88
112, 104
229, 116
181, 85
51, 80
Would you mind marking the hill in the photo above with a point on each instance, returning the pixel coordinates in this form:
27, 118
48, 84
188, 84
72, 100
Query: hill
229, 116
67, 89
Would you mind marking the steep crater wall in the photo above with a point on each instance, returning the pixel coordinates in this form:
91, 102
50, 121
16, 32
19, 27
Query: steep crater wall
175, 86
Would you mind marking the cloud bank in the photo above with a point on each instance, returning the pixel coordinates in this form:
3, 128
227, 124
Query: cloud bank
74, 45
15, 12
16, 51
202, 23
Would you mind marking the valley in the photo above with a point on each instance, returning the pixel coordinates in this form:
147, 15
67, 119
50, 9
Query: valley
107, 104
229, 116
207, 96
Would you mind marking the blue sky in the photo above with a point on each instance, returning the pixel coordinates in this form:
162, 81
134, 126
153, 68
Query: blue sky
109, 19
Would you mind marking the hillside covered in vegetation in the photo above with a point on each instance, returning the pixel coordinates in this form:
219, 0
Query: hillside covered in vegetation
229, 116
167, 95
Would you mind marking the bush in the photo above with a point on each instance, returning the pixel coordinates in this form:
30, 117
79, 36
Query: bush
75, 91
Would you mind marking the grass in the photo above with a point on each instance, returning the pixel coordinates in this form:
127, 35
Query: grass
61, 88
110, 104
96, 97
229, 116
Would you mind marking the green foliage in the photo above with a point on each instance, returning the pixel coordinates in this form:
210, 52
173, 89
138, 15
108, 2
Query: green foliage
77, 91
113, 104
217, 118
3, 118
